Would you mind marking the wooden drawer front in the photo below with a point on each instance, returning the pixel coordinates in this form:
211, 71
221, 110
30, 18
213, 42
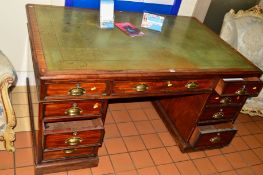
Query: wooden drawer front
125, 87
245, 86
216, 99
212, 135
218, 113
73, 108
70, 153
73, 133
75, 89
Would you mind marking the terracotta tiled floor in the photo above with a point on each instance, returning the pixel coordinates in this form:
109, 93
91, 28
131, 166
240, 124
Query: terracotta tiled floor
137, 142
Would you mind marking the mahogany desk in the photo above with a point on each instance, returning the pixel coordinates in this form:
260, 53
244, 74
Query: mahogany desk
199, 81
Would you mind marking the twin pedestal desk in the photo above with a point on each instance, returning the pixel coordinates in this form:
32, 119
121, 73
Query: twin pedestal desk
196, 81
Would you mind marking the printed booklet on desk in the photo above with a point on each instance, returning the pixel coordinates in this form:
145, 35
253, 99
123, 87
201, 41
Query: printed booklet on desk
129, 29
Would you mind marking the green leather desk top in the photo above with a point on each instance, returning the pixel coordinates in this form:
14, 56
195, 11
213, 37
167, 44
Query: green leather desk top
71, 39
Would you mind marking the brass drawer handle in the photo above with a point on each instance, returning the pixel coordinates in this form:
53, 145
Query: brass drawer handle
74, 110
77, 91
141, 87
226, 100
241, 91
93, 88
73, 141
218, 115
215, 139
191, 85
69, 151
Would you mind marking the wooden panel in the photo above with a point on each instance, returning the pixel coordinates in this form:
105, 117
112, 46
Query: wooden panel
212, 135
241, 86
70, 153
157, 87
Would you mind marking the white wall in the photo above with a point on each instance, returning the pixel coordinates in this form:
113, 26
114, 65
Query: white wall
14, 37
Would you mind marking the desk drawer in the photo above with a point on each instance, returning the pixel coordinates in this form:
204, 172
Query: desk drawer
75, 90
70, 153
215, 99
74, 133
155, 87
219, 113
212, 135
239, 86
74, 108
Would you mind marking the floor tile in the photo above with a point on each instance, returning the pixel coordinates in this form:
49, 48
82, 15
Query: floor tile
151, 113
160, 156
167, 139
104, 167
259, 138
146, 105
229, 173
109, 119
259, 153
23, 139
132, 105
148, 171
196, 154
134, 143
204, 166
243, 118
127, 129
144, 127
168, 169
176, 154
121, 116
151, 141
257, 169
6, 160
141, 159
7, 172
159, 126
132, 172
115, 145
59, 173
29, 170
241, 129
102, 150
85, 171
245, 171
213, 152
229, 148
122, 162
250, 157
23, 157
187, 168
252, 127
251, 141
116, 106
111, 131
235, 160
220, 163
239, 144
260, 124
137, 115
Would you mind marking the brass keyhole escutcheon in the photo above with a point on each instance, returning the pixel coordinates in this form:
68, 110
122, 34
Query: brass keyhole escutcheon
169, 84
74, 110
69, 151
191, 85
96, 105
141, 87
73, 141
77, 91
218, 115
